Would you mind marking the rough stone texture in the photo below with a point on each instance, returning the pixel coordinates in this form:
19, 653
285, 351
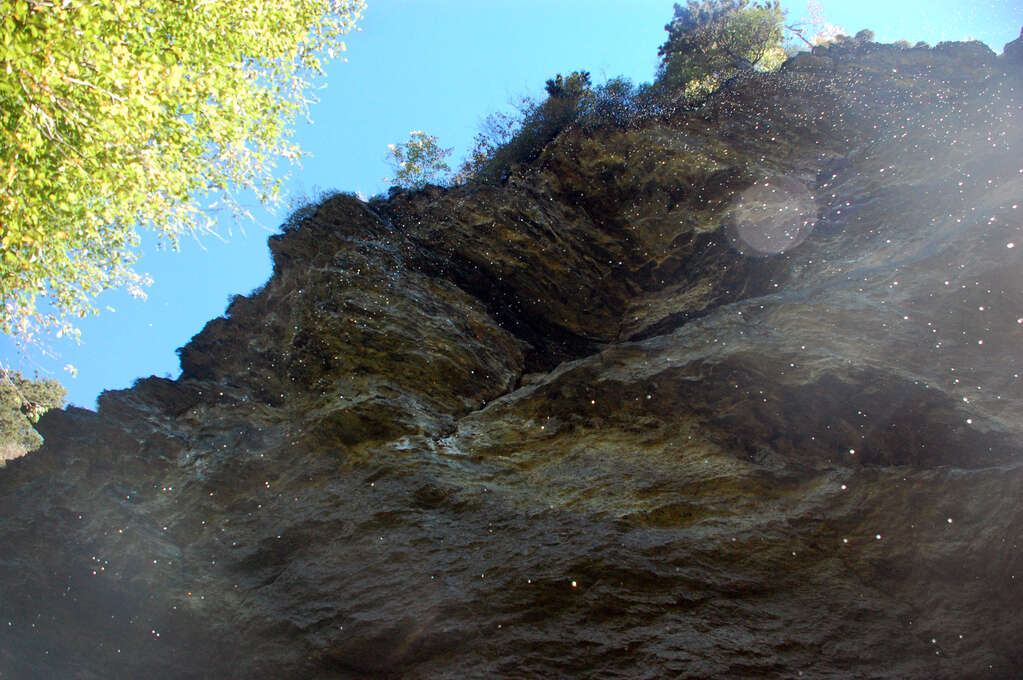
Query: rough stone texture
1013, 51
567, 427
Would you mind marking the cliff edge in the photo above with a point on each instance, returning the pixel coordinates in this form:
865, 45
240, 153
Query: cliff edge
729, 390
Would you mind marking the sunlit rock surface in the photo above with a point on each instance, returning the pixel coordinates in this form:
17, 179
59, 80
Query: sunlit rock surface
627, 416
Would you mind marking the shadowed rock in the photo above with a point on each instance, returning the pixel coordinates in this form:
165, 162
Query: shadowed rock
570, 427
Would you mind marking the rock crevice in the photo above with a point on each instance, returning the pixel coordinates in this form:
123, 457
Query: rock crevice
730, 391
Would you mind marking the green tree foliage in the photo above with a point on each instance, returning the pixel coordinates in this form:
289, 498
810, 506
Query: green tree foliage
419, 161
509, 139
520, 139
712, 40
617, 102
22, 401
121, 113
708, 42
569, 88
497, 130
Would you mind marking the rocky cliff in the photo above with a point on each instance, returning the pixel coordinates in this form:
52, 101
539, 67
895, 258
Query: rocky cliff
729, 391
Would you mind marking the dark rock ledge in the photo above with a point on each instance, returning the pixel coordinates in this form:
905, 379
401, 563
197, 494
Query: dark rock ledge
577, 426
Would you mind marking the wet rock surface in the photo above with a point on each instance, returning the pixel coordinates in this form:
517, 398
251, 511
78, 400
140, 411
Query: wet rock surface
571, 427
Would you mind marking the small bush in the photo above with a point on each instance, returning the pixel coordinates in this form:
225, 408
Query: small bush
22, 402
419, 161
304, 208
865, 36
616, 103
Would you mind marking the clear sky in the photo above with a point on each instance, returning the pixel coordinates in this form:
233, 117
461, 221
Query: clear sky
440, 66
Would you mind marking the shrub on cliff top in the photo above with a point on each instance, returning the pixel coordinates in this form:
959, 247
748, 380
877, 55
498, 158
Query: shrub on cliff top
506, 140
510, 140
418, 162
711, 40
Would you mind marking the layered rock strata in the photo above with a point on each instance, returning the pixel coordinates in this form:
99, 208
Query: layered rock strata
730, 391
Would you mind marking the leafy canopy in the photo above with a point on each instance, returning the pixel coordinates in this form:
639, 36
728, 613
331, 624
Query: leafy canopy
419, 161
712, 40
120, 113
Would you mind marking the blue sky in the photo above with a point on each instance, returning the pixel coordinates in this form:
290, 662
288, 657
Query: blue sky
439, 66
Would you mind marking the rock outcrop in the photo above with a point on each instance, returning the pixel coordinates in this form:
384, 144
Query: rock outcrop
730, 391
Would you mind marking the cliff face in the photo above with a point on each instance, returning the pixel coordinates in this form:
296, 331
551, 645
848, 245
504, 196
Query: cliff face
728, 392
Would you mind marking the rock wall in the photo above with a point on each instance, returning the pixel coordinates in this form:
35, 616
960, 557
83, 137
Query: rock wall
730, 391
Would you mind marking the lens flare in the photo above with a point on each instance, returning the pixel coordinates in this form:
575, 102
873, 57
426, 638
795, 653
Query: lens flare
773, 215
